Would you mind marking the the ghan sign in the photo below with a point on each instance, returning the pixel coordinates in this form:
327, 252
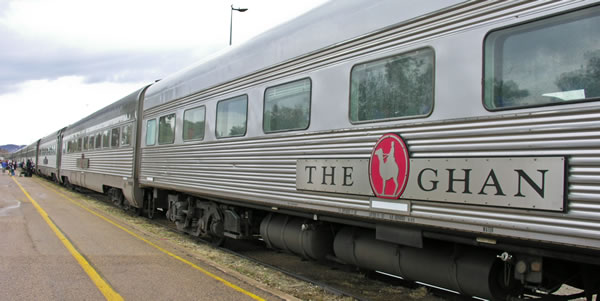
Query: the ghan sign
518, 182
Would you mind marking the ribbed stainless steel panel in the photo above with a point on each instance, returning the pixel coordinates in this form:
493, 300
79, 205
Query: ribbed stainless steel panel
114, 162
261, 168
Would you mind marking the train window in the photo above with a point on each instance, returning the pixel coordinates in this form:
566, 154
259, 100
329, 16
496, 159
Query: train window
232, 117
79, 148
394, 87
193, 123
115, 134
287, 107
98, 140
126, 135
151, 132
545, 62
91, 142
85, 143
105, 138
166, 129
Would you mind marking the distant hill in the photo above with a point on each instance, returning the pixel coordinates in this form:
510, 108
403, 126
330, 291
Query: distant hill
10, 147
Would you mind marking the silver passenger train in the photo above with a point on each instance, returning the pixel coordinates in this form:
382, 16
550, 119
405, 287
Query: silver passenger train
454, 143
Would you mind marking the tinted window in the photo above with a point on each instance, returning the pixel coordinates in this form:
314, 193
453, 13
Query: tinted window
105, 139
98, 140
550, 61
126, 135
395, 87
193, 123
166, 129
85, 143
151, 132
287, 106
231, 117
91, 142
114, 137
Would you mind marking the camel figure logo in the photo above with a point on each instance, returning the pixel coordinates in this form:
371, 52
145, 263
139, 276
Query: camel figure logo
388, 171
388, 168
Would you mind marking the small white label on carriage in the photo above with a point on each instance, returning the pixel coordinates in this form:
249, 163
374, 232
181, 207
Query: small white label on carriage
397, 206
125, 178
149, 178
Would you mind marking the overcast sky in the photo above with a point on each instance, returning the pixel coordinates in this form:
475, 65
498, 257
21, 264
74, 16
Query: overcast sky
62, 60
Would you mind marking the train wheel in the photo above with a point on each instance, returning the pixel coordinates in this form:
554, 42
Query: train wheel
216, 241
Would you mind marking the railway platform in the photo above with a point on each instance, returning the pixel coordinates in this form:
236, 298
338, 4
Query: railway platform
55, 247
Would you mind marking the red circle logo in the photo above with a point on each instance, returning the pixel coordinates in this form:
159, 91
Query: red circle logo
389, 166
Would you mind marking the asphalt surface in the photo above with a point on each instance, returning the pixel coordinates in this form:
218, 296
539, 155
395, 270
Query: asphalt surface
37, 264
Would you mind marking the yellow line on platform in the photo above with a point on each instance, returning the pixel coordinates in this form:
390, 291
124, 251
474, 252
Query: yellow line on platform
227, 283
102, 285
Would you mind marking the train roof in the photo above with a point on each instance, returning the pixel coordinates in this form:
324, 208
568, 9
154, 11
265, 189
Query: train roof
52, 136
123, 109
329, 24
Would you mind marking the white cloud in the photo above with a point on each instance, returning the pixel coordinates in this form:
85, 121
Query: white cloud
40, 107
61, 60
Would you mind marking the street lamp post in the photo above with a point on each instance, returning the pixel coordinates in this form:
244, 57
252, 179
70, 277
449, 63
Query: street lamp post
241, 10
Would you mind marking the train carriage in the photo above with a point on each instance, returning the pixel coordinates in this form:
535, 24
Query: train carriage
47, 159
28, 152
98, 151
450, 142
448, 134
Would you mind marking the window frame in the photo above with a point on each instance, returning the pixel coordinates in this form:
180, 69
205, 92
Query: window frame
153, 120
107, 132
183, 125
174, 129
310, 94
433, 86
514, 26
122, 135
217, 117
116, 144
98, 142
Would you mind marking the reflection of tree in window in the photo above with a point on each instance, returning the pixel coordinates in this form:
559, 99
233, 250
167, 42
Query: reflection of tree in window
508, 93
549, 61
114, 140
193, 130
587, 78
231, 116
396, 87
237, 131
166, 129
287, 118
126, 135
105, 139
193, 123
287, 106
